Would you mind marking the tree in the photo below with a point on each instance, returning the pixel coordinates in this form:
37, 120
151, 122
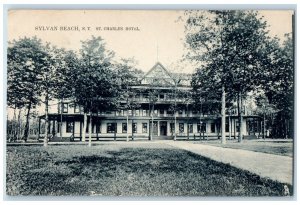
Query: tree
65, 64
49, 81
128, 76
229, 44
26, 58
95, 80
266, 110
278, 84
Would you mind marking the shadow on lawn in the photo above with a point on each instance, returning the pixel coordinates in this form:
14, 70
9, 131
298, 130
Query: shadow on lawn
132, 172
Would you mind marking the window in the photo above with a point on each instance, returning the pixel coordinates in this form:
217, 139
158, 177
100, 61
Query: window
203, 127
111, 127
181, 127
161, 112
213, 127
155, 112
124, 127
237, 126
169, 112
87, 126
98, 127
180, 112
69, 126
58, 127
49, 129
171, 96
190, 127
134, 128
255, 126
188, 113
93, 126
227, 127
145, 127
144, 112
145, 96
129, 112
65, 107
137, 112
76, 109
162, 96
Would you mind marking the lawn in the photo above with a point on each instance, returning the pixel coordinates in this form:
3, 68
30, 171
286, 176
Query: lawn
283, 147
126, 169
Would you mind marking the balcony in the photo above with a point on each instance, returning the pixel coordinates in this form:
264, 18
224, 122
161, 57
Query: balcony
159, 100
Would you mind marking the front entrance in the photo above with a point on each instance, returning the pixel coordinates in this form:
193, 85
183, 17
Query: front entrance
163, 128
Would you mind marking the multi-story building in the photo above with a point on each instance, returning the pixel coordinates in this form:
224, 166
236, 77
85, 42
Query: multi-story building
161, 109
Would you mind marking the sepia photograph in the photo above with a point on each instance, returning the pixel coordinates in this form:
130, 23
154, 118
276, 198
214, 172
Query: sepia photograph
150, 103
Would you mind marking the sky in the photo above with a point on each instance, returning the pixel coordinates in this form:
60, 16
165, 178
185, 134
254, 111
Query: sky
155, 35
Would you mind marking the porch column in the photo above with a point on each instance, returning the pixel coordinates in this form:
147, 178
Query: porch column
80, 129
149, 130
158, 128
229, 126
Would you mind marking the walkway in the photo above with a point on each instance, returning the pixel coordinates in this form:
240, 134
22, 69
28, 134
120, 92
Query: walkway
275, 167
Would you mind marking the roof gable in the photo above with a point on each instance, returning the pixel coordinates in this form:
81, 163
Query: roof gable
158, 74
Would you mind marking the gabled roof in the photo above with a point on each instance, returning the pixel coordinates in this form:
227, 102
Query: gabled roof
160, 73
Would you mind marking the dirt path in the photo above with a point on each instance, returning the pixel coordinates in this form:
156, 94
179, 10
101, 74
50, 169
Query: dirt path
275, 167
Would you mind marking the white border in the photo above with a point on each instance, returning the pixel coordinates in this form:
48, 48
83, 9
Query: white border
135, 4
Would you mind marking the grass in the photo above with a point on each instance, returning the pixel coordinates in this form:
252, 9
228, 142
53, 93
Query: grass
123, 170
283, 148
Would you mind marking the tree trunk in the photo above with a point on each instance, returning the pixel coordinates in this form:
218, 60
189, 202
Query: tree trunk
132, 133
84, 126
264, 127
47, 121
60, 123
240, 138
223, 135
97, 125
25, 136
127, 126
229, 125
20, 128
13, 126
90, 130
286, 128
39, 133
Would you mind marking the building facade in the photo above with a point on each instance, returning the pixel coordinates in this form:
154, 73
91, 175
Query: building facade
161, 109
